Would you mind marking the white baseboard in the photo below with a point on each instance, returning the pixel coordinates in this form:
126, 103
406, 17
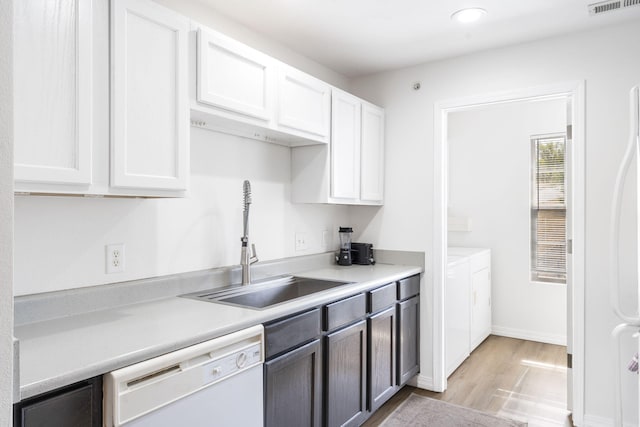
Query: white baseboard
422, 381
596, 421
529, 335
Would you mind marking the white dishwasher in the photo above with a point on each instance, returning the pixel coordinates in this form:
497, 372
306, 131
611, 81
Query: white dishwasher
214, 383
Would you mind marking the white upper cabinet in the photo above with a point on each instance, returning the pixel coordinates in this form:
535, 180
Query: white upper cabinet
78, 134
372, 154
53, 93
149, 99
242, 91
349, 171
304, 104
105, 90
345, 146
234, 77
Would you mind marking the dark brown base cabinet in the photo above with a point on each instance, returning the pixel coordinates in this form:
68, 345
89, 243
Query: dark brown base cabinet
346, 376
293, 371
382, 358
292, 387
337, 364
408, 339
78, 405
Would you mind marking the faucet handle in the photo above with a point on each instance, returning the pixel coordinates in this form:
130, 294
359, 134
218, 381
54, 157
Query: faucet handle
254, 256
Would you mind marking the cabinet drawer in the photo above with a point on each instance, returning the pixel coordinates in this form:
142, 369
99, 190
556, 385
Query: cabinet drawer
342, 312
382, 297
288, 333
408, 287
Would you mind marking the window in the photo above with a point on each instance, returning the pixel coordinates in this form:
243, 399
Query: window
548, 209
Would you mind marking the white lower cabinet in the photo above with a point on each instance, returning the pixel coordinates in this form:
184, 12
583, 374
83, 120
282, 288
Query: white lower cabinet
467, 303
456, 309
349, 171
480, 306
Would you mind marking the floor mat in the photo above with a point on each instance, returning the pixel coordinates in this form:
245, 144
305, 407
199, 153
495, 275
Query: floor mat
423, 411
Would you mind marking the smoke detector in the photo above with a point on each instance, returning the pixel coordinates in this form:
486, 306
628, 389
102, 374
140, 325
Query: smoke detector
608, 6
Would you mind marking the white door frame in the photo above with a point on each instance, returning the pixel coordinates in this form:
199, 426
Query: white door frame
575, 90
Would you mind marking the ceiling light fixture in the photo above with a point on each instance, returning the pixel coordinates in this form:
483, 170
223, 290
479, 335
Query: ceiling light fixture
468, 15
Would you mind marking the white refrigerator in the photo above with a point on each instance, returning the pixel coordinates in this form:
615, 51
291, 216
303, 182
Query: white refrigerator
625, 363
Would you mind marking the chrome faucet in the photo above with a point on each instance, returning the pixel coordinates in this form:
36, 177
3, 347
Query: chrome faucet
247, 257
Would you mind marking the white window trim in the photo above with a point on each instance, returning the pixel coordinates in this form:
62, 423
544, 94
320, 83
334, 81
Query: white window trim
533, 139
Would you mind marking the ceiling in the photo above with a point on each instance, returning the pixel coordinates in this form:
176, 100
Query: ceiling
358, 37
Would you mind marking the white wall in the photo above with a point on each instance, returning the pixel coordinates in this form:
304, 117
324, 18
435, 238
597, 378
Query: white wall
6, 212
172, 235
489, 182
608, 63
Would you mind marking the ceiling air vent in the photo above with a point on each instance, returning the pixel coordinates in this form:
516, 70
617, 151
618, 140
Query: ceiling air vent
608, 6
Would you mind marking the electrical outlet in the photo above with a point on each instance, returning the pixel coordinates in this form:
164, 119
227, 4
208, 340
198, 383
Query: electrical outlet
115, 258
301, 241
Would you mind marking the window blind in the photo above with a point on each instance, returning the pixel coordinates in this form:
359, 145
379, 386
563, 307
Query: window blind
548, 210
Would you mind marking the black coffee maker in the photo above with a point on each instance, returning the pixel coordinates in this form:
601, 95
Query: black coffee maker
344, 256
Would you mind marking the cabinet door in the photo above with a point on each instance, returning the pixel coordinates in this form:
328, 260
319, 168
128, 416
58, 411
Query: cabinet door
457, 312
53, 97
345, 145
382, 357
480, 306
234, 77
345, 376
292, 385
408, 339
304, 104
372, 154
149, 100
77, 405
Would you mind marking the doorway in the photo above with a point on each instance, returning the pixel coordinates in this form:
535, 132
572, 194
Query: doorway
572, 95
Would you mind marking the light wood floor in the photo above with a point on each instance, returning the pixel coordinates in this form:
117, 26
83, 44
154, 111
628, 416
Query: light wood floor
507, 377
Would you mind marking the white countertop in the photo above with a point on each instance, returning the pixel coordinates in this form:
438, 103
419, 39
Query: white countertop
62, 351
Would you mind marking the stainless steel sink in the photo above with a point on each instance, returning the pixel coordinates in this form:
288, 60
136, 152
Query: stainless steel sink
267, 293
